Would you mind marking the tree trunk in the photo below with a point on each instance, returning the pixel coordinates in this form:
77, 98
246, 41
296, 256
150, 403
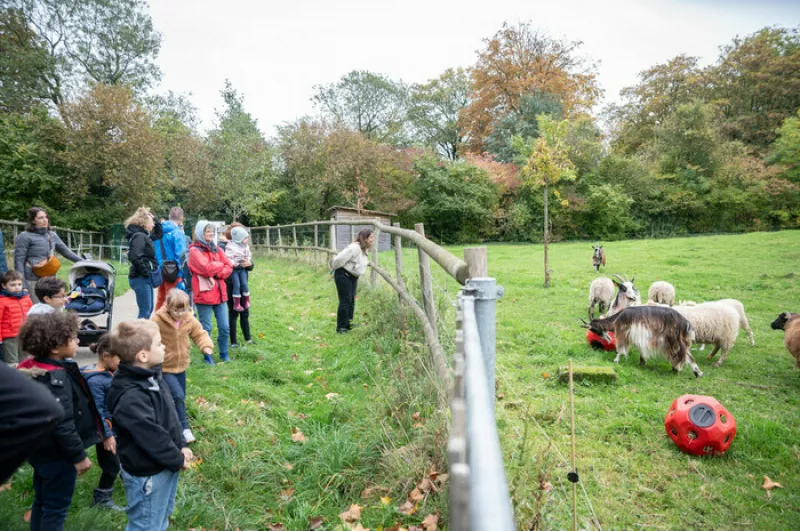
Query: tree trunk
546, 238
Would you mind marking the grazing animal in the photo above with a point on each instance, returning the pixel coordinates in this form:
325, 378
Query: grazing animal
653, 330
739, 307
601, 292
598, 257
627, 295
790, 324
661, 292
714, 324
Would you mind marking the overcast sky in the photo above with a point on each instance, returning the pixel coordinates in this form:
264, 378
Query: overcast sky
274, 52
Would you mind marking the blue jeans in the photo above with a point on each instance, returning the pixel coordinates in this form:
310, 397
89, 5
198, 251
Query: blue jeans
177, 386
143, 287
223, 330
239, 281
151, 500
53, 486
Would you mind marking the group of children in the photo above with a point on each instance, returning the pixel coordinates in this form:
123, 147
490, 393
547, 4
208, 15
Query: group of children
130, 406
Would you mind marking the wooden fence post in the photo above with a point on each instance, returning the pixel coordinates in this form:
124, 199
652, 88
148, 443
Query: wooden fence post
426, 283
280, 240
332, 237
269, 244
477, 262
398, 258
352, 232
294, 236
316, 242
373, 276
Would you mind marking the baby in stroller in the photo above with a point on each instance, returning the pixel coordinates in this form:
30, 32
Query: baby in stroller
89, 294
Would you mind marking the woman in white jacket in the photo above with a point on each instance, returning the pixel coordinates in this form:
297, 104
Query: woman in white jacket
346, 267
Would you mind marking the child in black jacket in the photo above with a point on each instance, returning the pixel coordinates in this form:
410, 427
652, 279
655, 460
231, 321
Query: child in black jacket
52, 339
151, 447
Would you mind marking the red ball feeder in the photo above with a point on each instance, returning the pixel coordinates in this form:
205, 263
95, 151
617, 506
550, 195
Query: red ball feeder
598, 343
700, 425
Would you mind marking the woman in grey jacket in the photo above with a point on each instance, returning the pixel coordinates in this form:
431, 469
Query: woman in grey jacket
37, 244
346, 267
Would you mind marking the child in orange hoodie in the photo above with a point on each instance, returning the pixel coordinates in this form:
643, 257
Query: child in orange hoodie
14, 306
179, 327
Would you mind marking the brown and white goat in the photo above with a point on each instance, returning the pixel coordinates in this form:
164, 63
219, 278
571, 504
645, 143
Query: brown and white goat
627, 295
598, 257
790, 324
653, 330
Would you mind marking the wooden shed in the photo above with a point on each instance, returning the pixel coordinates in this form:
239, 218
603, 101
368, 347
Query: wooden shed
346, 234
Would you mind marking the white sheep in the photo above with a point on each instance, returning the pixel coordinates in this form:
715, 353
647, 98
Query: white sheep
714, 324
739, 307
601, 292
661, 292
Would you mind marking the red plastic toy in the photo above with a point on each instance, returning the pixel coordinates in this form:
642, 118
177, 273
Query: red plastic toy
598, 343
700, 425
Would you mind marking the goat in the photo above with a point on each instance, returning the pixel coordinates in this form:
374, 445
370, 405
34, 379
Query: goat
601, 292
661, 292
598, 257
790, 324
739, 307
627, 295
714, 324
653, 330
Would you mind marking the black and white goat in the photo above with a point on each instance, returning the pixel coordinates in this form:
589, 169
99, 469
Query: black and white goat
627, 295
654, 330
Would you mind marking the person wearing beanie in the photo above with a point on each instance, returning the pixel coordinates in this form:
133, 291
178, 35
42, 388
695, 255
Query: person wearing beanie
238, 253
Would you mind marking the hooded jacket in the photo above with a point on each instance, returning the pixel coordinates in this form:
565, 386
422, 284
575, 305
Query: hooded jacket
143, 412
32, 247
141, 252
81, 426
14, 309
174, 244
209, 266
177, 340
352, 258
99, 382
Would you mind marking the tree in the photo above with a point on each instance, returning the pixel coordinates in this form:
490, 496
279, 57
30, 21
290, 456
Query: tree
241, 161
25, 64
522, 123
546, 164
786, 149
519, 61
369, 103
435, 107
116, 156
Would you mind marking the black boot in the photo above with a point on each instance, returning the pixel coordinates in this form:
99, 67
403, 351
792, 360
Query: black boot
102, 498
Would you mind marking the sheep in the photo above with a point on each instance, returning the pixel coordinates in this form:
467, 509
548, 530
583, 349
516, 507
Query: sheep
661, 292
713, 323
739, 307
653, 330
598, 257
627, 295
601, 291
790, 324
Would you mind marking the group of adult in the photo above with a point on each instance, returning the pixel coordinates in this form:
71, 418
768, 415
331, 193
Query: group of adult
203, 271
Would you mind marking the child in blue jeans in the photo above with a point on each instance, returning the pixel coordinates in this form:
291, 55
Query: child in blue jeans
52, 340
238, 253
152, 450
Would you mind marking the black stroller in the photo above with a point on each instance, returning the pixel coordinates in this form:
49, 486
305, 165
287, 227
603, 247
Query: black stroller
91, 295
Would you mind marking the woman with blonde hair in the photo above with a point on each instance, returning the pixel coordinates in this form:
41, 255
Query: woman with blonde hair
140, 230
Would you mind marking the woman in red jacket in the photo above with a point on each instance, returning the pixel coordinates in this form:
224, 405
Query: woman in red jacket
210, 268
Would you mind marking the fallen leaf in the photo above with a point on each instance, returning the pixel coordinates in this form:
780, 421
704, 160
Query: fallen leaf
240, 422
309, 372
291, 328
310, 385
545, 375
501, 396
286, 494
294, 357
425, 485
224, 378
27, 517
302, 416
314, 523
442, 479
415, 495
769, 484
358, 527
331, 396
545, 486
288, 466
407, 508
430, 522
195, 462
276, 527
297, 435
261, 336
5, 487
331, 314
352, 514
245, 401
367, 492
322, 345
262, 405
415, 417
386, 500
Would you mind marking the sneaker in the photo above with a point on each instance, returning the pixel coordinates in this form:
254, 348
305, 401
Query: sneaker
342, 330
249, 341
103, 499
208, 360
234, 345
224, 357
188, 436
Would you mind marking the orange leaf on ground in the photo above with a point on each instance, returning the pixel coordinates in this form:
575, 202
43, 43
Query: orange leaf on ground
425, 485
297, 435
294, 357
430, 522
769, 484
352, 514
415, 417
288, 466
314, 523
407, 508
442, 479
276, 527
27, 517
415, 495
287, 493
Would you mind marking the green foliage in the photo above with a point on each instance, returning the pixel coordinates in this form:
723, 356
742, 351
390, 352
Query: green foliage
434, 110
522, 122
455, 200
606, 214
786, 149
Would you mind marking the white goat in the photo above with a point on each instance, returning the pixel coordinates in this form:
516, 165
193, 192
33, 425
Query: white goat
661, 292
714, 324
627, 295
601, 292
739, 307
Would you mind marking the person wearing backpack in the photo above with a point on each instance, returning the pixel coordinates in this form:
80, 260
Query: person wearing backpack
169, 252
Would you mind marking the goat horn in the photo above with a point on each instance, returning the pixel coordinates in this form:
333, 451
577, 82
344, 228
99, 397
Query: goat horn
616, 275
633, 280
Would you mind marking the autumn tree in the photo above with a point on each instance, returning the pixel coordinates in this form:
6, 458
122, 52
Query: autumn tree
369, 103
517, 61
546, 164
114, 153
434, 110
522, 123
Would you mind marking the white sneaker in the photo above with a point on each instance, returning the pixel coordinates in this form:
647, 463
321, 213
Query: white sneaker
189, 436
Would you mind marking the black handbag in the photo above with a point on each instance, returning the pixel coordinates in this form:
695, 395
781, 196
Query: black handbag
169, 268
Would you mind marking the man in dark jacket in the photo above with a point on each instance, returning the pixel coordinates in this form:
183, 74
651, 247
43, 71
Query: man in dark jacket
151, 447
52, 339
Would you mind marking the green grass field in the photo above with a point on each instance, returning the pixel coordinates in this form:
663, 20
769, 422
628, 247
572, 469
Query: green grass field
368, 436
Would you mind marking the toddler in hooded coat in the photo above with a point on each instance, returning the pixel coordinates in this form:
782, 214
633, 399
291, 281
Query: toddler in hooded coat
238, 253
